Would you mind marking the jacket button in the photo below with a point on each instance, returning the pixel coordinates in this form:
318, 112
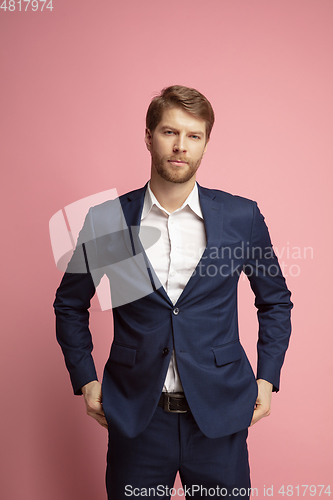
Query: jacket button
175, 311
166, 351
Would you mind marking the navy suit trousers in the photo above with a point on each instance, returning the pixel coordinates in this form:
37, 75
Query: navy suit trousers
146, 466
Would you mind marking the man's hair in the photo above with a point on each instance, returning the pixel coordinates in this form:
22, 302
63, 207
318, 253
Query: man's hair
186, 98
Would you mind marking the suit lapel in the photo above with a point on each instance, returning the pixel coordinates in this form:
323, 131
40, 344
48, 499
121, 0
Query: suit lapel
213, 216
132, 205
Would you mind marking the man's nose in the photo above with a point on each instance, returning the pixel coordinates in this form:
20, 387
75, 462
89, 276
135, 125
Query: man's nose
179, 145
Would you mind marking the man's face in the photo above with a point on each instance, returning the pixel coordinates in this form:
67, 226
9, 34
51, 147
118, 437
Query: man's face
177, 145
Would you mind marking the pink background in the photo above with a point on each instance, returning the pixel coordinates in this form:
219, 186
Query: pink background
75, 85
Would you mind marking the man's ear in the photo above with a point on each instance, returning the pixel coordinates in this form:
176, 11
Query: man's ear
148, 138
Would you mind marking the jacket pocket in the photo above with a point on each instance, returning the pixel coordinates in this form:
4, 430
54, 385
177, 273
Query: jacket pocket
227, 353
122, 354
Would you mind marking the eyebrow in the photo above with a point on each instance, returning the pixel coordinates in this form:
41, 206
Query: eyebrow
167, 127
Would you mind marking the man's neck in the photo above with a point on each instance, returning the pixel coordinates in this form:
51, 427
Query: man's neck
171, 195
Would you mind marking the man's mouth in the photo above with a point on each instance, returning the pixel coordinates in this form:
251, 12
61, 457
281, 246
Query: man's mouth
178, 162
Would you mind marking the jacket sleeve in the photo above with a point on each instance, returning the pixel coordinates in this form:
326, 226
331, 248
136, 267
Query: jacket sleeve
71, 306
272, 300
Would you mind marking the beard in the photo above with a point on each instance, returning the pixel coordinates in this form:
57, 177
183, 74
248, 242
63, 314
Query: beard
171, 173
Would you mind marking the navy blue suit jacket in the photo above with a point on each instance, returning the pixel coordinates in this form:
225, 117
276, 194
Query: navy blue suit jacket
202, 326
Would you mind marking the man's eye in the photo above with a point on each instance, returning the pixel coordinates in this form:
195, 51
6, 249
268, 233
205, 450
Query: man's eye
195, 137
169, 132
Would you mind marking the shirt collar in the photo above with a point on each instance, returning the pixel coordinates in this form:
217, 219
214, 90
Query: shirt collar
192, 201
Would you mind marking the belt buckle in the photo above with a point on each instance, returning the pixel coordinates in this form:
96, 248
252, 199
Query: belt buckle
167, 402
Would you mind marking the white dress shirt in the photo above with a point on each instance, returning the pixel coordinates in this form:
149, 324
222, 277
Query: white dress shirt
176, 254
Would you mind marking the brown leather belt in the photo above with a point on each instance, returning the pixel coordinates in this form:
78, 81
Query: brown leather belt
174, 402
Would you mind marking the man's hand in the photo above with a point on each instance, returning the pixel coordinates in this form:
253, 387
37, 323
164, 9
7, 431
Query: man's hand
92, 393
263, 403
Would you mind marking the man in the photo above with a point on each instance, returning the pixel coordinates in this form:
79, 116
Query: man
178, 391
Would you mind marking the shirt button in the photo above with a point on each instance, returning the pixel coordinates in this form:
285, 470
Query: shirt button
175, 311
165, 351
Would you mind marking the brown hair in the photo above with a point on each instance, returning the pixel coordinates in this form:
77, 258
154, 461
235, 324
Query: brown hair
184, 97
